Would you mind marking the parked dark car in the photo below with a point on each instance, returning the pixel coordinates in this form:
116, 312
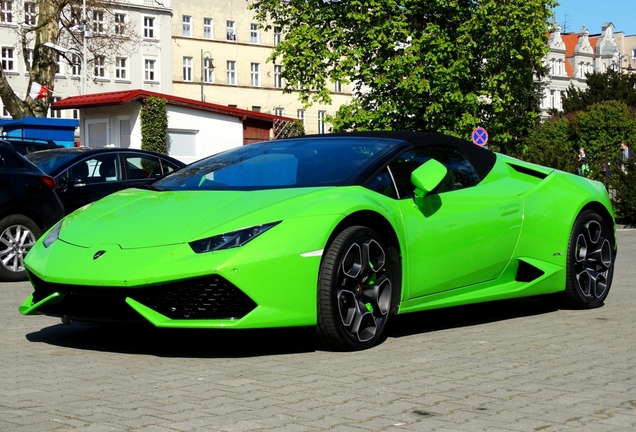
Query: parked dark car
25, 146
28, 207
84, 174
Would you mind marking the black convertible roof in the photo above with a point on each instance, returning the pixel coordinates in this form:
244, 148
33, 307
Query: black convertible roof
481, 159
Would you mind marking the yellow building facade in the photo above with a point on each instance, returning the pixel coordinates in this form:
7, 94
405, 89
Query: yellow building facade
220, 54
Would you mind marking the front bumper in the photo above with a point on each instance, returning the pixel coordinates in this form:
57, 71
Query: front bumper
170, 286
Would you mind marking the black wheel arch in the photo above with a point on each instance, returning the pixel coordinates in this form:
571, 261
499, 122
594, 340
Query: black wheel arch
386, 231
602, 211
25, 211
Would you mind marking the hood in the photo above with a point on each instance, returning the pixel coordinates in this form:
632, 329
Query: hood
137, 218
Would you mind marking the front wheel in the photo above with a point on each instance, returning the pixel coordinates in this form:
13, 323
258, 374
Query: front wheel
355, 290
18, 234
590, 262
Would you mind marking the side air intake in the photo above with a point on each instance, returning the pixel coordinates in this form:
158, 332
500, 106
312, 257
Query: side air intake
528, 171
527, 272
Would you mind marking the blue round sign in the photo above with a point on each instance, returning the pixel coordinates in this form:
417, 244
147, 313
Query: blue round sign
480, 136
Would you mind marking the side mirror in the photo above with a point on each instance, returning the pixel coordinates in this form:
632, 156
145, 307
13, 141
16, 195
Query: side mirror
427, 177
75, 182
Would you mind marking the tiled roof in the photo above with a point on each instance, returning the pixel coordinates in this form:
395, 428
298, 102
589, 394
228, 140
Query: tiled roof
126, 96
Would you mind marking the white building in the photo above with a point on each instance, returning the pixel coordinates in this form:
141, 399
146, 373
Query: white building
572, 56
148, 66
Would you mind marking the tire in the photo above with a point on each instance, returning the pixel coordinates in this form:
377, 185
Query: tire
590, 262
355, 290
18, 234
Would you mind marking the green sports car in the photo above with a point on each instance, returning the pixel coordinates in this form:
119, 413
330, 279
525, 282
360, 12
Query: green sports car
334, 231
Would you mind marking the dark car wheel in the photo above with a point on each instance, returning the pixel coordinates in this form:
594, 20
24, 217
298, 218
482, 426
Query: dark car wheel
18, 234
590, 262
354, 290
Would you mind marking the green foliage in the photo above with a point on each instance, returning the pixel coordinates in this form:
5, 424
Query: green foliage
599, 129
435, 65
601, 87
623, 183
551, 145
603, 126
154, 125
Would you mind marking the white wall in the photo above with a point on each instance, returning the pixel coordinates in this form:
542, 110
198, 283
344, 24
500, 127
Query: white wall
213, 132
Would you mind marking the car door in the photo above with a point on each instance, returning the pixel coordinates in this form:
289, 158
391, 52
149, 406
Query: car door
463, 233
90, 179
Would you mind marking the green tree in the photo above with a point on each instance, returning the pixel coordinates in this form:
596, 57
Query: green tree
61, 22
154, 125
599, 129
435, 65
551, 144
601, 87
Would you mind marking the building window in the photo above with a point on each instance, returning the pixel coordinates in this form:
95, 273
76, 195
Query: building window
208, 70
30, 14
277, 35
29, 57
149, 70
76, 114
187, 68
7, 59
149, 27
100, 66
6, 11
187, 26
55, 113
231, 72
207, 28
278, 76
254, 36
255, 74
279, 111
76, 67
321, 122
552, 99
634, 53
300, 114
256, 108
59, 66
338, 87
230, 29
120, 68
120, 23
98, 21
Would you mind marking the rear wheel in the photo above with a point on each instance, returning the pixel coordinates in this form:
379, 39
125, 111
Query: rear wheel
590, 262
355, 290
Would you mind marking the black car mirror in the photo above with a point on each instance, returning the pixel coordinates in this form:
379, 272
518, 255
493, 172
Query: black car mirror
74, 182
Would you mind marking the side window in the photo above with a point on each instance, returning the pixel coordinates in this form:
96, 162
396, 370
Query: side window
461, 173
100, 169
168, 166
382, 183
142, 167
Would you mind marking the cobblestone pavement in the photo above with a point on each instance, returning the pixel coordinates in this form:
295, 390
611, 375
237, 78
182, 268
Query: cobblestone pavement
508, 366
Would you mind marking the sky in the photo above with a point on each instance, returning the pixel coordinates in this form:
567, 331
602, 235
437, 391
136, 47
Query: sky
572, 14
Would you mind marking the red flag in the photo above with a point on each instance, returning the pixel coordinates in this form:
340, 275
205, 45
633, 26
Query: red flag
38, 91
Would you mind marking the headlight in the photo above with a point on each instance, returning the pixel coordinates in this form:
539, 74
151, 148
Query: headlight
230, 240
53, 235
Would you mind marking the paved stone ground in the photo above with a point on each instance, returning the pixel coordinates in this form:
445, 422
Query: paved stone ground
508, 366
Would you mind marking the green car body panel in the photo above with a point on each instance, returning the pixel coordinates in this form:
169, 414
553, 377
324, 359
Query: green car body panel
456, 248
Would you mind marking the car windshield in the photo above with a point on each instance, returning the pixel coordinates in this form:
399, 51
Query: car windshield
306, 162
49, 160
